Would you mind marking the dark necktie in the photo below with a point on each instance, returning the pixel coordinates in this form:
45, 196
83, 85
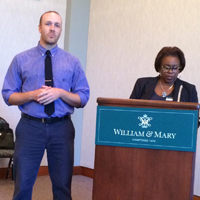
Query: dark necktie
48, 109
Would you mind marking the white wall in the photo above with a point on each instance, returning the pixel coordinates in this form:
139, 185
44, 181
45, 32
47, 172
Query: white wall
124, 39
19, 21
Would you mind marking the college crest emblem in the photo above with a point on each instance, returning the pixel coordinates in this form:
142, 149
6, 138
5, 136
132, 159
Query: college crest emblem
145, 121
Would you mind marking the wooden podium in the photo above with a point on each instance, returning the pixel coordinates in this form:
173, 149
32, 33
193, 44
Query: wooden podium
131, 173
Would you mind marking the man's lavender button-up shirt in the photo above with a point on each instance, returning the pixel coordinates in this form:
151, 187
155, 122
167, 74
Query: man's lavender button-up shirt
26, 73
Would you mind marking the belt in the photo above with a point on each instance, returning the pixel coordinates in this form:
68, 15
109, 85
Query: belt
46, 120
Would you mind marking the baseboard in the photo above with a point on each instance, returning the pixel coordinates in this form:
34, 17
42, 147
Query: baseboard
87, 172
78, 170
3, 173
43, 171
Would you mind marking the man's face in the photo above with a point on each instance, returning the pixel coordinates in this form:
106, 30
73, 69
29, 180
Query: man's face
50, 29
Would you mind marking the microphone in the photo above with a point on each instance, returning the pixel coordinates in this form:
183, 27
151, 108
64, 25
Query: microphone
179, 93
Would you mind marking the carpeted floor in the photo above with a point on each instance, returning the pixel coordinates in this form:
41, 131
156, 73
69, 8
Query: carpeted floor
81, 188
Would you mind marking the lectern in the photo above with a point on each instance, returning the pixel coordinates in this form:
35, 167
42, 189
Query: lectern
145, 150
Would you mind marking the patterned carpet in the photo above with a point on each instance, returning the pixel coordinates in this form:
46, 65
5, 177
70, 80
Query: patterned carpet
81, 188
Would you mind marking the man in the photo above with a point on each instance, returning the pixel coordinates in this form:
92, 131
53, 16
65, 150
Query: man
25, 85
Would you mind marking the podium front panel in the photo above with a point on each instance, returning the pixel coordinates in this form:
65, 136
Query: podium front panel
166, 129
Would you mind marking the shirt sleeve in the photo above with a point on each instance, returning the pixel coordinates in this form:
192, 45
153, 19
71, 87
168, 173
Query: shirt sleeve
137, 90
12, 82
194, 97
80, 84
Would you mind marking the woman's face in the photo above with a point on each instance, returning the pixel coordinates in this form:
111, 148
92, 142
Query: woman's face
169, 69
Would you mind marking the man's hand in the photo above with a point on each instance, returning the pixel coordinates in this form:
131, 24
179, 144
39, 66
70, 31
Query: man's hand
48, 95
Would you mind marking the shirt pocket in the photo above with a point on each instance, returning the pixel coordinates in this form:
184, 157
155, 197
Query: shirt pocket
63, 78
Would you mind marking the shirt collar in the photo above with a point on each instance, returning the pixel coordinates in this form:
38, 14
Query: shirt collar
42, 50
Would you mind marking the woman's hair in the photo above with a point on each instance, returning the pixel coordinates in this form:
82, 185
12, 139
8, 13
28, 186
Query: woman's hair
169, 51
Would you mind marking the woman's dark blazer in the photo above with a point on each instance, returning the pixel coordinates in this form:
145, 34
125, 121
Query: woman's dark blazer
144, 88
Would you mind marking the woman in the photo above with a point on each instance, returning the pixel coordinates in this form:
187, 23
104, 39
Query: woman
169, 62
